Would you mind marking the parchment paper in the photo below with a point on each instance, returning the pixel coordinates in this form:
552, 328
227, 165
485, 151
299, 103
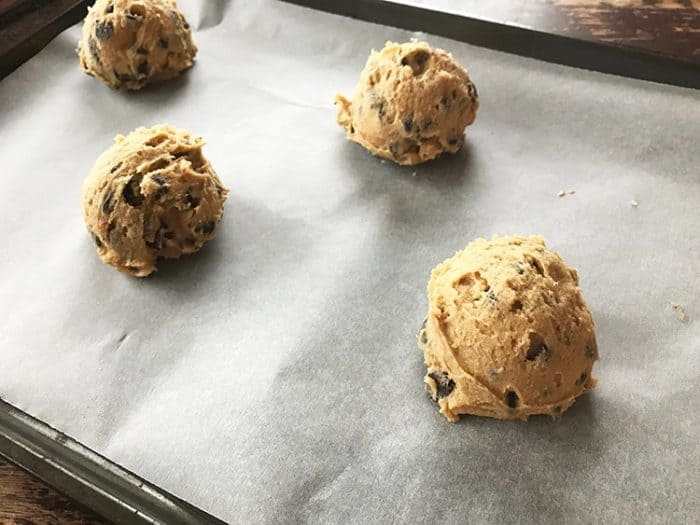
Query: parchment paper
274, 377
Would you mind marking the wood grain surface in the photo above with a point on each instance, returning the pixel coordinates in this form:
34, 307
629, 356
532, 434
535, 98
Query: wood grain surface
670, 28
26, 26
25, 500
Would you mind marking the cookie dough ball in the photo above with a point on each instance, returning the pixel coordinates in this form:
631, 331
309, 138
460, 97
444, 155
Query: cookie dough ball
412, 104
508, 334
130, 43
152, 194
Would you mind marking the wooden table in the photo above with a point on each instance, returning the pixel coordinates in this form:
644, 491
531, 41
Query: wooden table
667, 28
25, 500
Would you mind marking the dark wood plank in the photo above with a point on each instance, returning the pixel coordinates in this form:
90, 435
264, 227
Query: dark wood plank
669, 28
527, 29
29, 25
25, 500
8, 7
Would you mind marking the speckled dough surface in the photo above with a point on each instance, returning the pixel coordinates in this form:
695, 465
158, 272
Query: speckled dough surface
152, 194
129, 43
508, 334
412, 103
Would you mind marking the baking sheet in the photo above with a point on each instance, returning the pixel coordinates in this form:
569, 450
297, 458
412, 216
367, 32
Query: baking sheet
274, 377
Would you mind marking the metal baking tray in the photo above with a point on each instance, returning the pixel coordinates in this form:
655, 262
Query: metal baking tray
122, 496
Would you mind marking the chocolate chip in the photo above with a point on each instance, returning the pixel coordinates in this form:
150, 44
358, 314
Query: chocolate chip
163, 43
445, 385
157, 242
416, 60
142, 50
537, 265
471, 89
352, 129
407, 123
110, 8
186, 25
379, 106
512, 399
424, 337
132, 192
104, 30
205, 228
491, 296
191, 201
516, 305
582, 379
422, 57
122, 77
143, 68
94, 50
108, 203
394, 149
115, 167
137, 10
537, 350
591, 350
97, 240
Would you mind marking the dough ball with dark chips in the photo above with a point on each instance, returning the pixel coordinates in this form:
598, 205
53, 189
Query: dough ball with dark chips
508, 334
152, 194
130, 43
412, 104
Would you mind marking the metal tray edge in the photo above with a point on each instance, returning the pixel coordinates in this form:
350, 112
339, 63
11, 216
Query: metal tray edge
89, 478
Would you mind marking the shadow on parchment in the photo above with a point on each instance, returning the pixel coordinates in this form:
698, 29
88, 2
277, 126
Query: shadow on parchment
412, 197
240, 253
523, 463
443, 173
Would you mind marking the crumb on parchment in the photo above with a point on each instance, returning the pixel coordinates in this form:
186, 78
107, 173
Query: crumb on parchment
680, 312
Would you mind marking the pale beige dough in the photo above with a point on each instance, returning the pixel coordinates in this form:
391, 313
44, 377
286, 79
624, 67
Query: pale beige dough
508, 334
412, 103
130, 43
152, 194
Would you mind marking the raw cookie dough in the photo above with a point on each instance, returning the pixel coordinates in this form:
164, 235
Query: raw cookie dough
508, 334
152, 194
412, 104
129, 43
